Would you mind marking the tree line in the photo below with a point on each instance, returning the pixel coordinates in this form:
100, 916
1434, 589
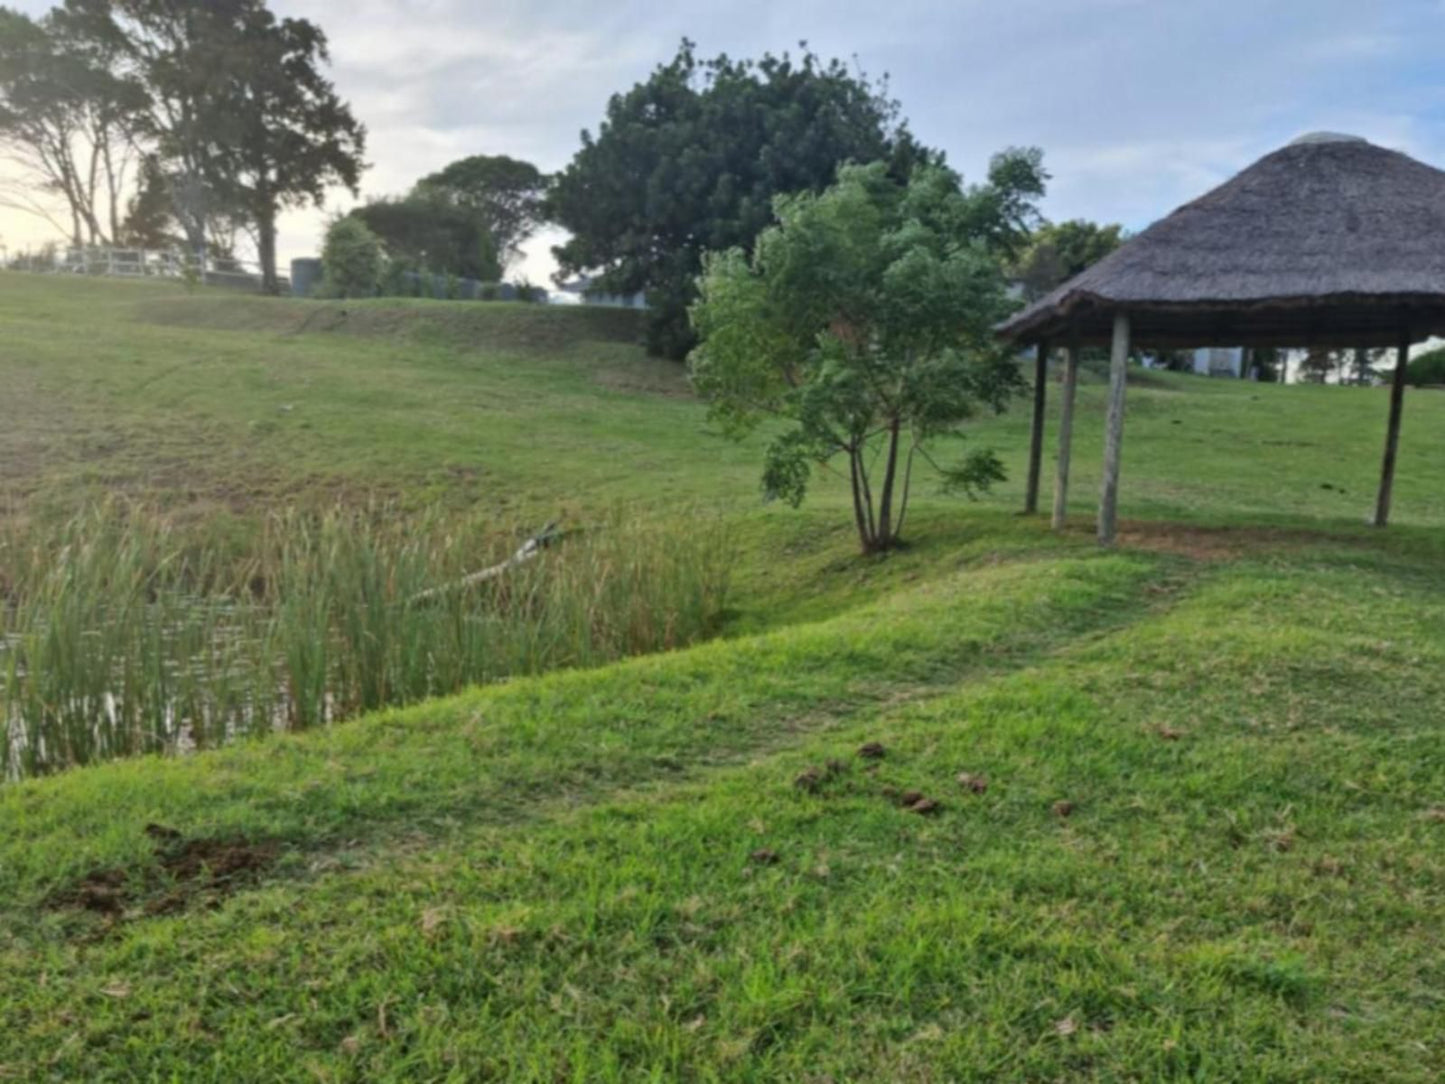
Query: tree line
159, 122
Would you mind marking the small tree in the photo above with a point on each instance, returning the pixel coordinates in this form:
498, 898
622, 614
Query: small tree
864, 320
351, 259
433, 235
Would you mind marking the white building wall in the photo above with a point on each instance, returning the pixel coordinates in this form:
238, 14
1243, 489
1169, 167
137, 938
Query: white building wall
1218, 360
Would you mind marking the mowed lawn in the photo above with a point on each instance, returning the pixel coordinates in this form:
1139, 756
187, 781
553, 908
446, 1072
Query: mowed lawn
209, 400
1188, 797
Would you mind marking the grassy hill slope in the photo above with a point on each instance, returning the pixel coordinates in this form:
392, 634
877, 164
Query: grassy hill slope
206, 400
1190, 818
615, 875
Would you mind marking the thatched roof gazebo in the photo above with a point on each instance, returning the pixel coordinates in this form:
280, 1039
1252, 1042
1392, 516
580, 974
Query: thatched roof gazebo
1330, 241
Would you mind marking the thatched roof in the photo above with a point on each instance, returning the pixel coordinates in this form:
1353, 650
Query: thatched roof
1328, 241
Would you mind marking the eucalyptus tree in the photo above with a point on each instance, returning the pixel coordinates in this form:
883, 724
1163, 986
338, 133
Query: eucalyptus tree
70, 119
243, 121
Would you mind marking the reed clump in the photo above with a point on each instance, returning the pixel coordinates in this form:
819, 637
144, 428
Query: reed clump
124, 633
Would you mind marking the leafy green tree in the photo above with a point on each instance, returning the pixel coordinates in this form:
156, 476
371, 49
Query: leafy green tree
690, 160
288, 135
1057, 251
430, 234
863, 321
351, 259
503, 195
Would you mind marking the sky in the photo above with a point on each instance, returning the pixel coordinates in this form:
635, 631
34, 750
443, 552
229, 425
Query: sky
1138, 105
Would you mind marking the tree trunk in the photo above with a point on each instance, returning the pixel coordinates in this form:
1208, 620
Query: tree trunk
266, 248
885, 536
867, 491
188, 201
114, 180
865, 537
97, 236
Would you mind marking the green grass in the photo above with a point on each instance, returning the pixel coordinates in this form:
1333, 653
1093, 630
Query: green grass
563, 877
223, 402
213, 402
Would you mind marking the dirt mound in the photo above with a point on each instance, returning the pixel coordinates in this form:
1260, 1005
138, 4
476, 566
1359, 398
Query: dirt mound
185, 872
1217, 543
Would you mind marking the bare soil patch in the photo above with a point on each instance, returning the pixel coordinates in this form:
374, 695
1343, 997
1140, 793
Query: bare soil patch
1218, 543
203, 870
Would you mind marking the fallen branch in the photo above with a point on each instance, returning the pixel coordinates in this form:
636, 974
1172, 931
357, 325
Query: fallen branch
528, 550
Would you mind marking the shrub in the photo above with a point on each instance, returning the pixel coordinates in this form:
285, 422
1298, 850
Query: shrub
394, 280
1426, 369
527, 292
352, 260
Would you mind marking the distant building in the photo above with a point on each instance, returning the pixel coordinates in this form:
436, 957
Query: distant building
1218, 361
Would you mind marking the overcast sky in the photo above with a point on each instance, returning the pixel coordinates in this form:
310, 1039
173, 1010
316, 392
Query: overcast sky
1139, 105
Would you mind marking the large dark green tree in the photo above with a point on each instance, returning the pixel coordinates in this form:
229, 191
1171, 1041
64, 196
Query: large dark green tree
503, 195
861, 327
690, 159
287, 135
423, 233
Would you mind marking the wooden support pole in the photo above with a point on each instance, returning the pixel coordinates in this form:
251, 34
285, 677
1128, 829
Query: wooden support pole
1114, 432
1392, 431
1036, 433
1066, 436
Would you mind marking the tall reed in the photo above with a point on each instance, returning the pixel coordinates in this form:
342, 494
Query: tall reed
121, 633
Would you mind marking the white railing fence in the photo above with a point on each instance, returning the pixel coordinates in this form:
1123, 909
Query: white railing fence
119, 262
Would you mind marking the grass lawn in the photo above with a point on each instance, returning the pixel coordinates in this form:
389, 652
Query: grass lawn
1190, 794
213, 401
